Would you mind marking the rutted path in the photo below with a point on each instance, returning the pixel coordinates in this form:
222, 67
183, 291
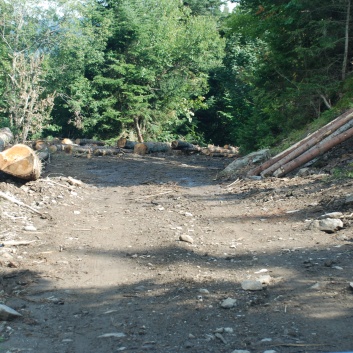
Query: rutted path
109, 273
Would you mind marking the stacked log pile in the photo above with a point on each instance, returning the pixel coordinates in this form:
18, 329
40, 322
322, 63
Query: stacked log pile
177, 145
304, 151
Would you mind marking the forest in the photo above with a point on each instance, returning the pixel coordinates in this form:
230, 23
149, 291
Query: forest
172, 69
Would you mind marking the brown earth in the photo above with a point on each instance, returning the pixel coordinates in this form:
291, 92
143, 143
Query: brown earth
107, 258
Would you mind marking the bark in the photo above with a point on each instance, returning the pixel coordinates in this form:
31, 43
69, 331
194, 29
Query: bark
306, 147
138, 129
346, 41
6, 137
21, 162
315, 151
309, 141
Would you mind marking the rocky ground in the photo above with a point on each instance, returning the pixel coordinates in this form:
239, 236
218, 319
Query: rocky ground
157, 254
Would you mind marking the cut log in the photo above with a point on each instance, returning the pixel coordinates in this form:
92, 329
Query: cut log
39, 145
67, 141
183, 145
21, 162
152, 147
140, 148
6, 137
306, 147
121, 142
315, 151
83, 142
308, 141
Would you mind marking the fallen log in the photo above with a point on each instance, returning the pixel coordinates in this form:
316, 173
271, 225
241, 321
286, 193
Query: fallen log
305, 147
315, 151
310, 140
6, 137
183, 145
83, 142
124, 143
151, 147
21, 161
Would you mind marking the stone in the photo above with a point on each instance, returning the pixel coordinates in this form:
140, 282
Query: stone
204, 291
330, 224
270, 351
332, 215
7, 313
351, 285
186, 238
220, 337
241, 351
265, 279
251, 285
228, 303
30, 228
349, 199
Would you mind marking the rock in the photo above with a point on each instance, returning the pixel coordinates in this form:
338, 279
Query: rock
30, 228
351, 285
265, 279
186, 238
331, 215
7, 313
251, 285
204, 291
304, 172
316, 286
228, 303
113, 334
328, 225
241, 351
270, 351
220, 337
349, 199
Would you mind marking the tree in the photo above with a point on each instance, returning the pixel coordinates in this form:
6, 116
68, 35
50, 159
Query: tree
156, 66
24, 37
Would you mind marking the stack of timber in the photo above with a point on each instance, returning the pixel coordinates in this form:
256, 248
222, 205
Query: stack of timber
178, 145
216, 151
304, 151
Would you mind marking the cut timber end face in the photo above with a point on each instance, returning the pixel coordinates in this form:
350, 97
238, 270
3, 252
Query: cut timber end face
140, 148
21, 162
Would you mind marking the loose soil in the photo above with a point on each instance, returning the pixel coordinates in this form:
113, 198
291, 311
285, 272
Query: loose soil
107, 271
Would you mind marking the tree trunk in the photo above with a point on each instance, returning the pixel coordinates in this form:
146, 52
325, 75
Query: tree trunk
138, 130
308, 141
346, 41
21, 162
315, 151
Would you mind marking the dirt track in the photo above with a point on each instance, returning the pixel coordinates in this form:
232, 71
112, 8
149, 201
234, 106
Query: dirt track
107, 259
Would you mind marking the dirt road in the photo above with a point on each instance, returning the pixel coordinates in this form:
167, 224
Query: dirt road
108, 271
